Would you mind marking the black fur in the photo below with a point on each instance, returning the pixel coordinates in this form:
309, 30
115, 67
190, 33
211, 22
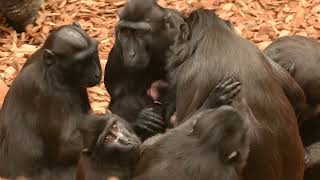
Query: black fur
213, 52
42, 112
300, 57
136, 61
106, 158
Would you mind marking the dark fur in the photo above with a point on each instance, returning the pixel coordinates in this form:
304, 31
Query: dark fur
300, 56
39, 133
198, 149
214, 52
102, 160
210, 138
20, 13
136, 61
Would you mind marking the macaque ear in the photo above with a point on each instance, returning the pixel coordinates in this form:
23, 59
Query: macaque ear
226, 131
185, 32
77, 24
233, 147
175, 21
289, 67
48, 56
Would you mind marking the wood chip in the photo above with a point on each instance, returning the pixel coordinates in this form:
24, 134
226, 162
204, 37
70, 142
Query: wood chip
3, 91
257, 20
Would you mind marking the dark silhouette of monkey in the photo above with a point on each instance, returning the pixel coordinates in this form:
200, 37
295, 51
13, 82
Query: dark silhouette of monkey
136, 61
113, 153
212, 144
213, 51
300, 56
42, 112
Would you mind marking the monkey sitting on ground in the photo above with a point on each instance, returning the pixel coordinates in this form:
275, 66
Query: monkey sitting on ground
213, 51
137, 60
40, 118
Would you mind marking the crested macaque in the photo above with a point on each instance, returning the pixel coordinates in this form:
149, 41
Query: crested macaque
111, 154
300, 57
213, 143
137, 60
40, 121
212, 51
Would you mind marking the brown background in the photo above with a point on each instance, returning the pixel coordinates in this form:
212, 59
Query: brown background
260, 21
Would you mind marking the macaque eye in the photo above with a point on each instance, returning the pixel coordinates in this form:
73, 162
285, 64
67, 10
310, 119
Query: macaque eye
140, 33
113, 133
110, 138
125, 32
115, 128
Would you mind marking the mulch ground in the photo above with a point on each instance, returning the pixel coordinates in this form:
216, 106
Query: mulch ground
260, 21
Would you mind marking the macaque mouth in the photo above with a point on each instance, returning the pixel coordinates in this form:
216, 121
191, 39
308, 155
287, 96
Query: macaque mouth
115, 135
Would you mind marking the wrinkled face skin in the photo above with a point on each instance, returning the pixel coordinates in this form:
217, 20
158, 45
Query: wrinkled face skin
134, 45
116, 141
142, 33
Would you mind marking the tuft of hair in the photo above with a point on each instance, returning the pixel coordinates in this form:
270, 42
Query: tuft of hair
70, 35
135, 10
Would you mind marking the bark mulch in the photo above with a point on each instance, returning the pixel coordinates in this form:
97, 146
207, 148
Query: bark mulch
260, 21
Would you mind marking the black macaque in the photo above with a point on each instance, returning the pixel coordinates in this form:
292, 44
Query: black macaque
111, 154
43, 110
213, 51
114, 152
137, 59
20, 13
212, 144
300, 56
